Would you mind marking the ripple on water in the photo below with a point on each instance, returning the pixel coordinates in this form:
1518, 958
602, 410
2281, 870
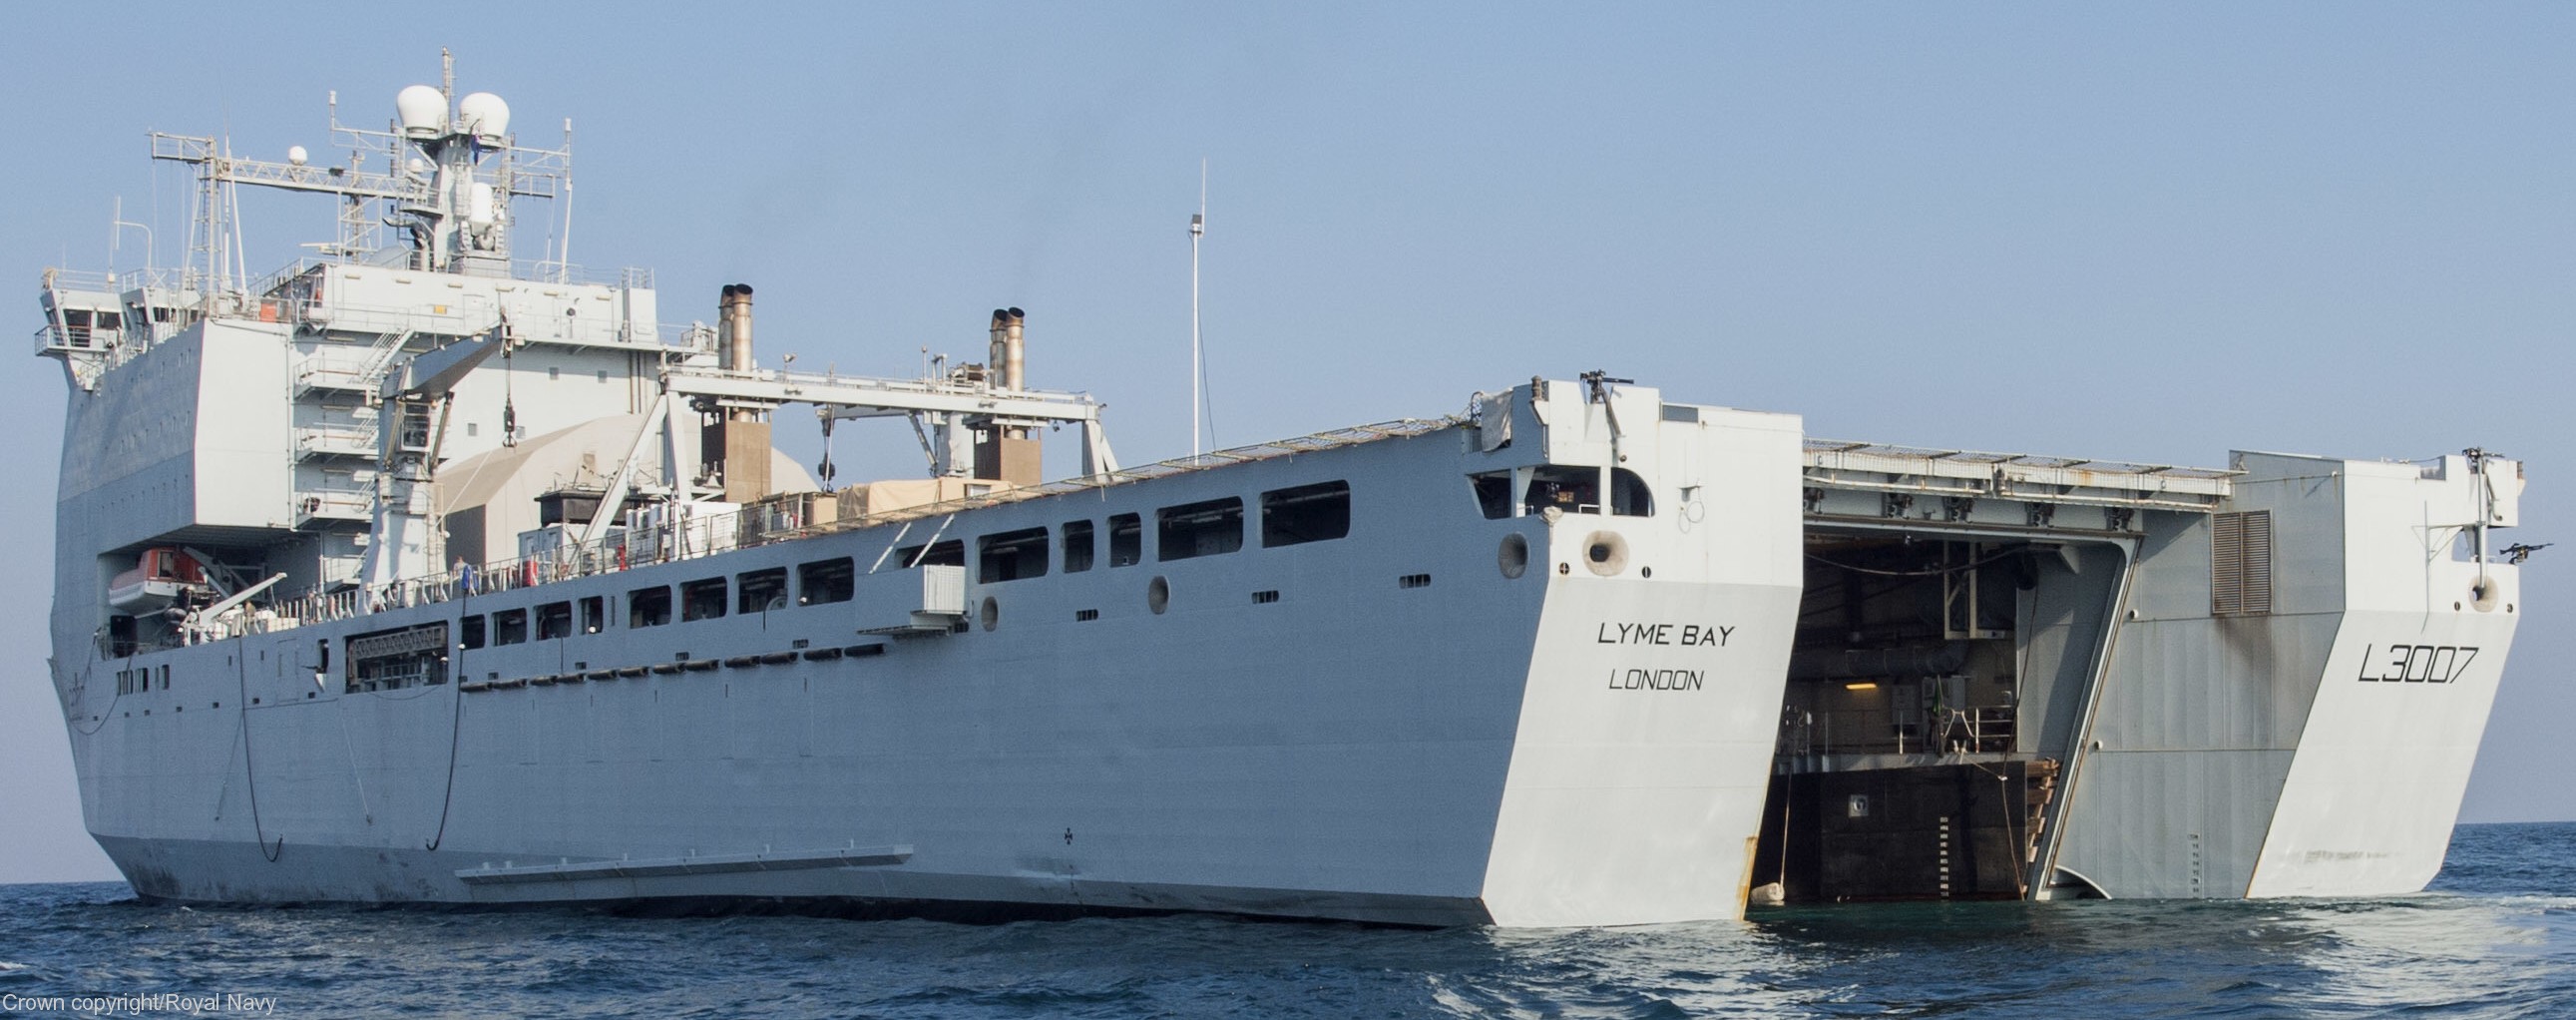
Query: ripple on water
2497, 939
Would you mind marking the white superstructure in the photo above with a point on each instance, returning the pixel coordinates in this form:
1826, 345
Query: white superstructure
417, 573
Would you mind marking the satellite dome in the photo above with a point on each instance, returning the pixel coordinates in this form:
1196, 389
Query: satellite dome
296, 155
484, 116
422, 110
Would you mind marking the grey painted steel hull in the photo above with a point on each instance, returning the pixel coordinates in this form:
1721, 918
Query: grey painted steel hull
1355, 746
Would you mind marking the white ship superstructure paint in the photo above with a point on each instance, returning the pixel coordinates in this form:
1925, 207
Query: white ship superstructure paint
2374, 789
447, 578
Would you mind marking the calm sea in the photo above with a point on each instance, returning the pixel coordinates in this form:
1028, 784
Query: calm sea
2495, 938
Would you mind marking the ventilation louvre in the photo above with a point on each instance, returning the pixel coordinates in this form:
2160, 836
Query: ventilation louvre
2240, 563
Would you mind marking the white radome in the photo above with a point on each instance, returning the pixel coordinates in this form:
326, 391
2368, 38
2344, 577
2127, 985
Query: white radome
422, 111
484, 116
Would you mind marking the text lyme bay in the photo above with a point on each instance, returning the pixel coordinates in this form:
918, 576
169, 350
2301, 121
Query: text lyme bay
1686, 635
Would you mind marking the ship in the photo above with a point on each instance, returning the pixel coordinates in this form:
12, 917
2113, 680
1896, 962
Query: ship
415, 572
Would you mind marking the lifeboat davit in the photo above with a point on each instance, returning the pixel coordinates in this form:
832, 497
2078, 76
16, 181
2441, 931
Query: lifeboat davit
162, 577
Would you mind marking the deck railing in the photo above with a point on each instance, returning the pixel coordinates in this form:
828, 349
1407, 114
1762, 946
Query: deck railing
756, 525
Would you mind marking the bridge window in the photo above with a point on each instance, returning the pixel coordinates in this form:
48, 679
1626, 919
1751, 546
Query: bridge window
1204, 528
1077, 546
702, 599
824, 581
1126, 540
648, 607
470, 632
594, 614
1307, 513
762, 590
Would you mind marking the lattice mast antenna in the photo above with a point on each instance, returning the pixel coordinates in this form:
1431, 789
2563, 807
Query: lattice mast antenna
449, 171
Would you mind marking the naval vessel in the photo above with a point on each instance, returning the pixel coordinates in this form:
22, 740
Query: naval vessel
419, 572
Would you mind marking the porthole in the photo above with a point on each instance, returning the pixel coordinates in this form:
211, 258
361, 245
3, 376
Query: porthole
992, 613
1158, 595
1513, 557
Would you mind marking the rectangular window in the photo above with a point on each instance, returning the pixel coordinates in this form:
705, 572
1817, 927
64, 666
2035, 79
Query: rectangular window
1307, 513
951, 553
1629, 494
1077, 546
824, 581
554, 620
1011, 555
509, 626
1574, 490
470, 632
702, 599
391, 659
1493, 494
594, 614
762, 590
1126, 540
1205, 528
648, 607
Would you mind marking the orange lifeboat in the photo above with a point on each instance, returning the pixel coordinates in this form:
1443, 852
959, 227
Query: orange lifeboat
162, 577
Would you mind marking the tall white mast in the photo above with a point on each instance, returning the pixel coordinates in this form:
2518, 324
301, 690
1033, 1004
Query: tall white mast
563, 255
1198, 227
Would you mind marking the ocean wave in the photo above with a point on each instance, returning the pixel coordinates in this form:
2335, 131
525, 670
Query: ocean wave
2479, 946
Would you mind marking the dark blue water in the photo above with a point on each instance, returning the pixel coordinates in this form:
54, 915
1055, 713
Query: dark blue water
2495, 938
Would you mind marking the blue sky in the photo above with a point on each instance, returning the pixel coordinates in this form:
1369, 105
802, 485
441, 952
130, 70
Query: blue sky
2153, 233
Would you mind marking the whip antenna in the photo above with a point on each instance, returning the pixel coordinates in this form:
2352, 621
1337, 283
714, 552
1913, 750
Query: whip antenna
1198, 228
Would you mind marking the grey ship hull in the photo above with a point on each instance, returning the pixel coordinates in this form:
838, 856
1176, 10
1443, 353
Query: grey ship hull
1544, 671
1357, 743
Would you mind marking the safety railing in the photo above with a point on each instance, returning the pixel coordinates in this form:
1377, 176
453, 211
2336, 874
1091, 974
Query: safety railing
760, 524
